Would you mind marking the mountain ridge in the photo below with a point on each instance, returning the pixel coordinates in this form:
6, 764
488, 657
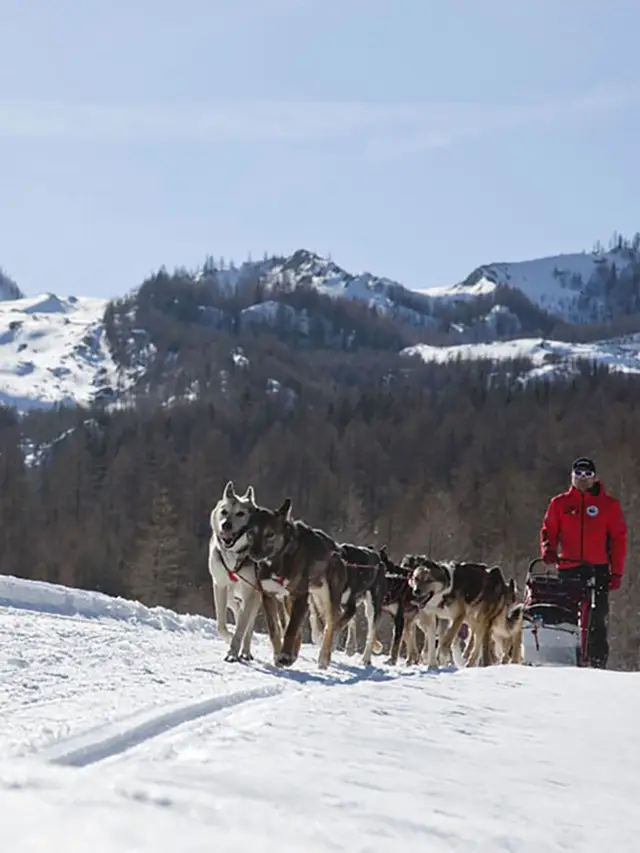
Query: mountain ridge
66, 350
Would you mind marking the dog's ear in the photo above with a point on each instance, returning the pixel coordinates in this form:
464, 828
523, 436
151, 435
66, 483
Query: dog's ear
495, 581
250, 495
438, 571
229, 491
285, 509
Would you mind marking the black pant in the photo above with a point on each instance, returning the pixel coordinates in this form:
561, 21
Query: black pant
597, 639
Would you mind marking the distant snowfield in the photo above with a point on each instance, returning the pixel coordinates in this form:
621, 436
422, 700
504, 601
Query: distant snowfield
123, 729
553, 283
547, 357
52, 350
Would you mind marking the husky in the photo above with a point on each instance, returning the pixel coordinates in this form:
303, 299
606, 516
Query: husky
419, 613
370, 593
233, 573
316, 625
463, 592
397, 601
507, 628
297, 560
366, 584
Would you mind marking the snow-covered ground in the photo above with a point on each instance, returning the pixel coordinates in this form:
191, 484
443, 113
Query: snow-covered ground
123, 729
53, 350
547, 357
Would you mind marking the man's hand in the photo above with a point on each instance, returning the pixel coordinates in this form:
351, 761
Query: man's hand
615, 581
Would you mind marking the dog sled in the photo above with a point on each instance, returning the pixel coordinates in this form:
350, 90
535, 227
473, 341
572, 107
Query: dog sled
557, 614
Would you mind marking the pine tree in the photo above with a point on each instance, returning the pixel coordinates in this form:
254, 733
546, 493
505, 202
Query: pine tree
158, 566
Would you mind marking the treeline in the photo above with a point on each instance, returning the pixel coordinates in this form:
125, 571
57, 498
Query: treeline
456, 461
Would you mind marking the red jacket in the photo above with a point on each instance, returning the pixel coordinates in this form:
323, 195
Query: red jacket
589, 527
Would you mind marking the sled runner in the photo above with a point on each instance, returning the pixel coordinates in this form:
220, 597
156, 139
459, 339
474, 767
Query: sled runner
557, 613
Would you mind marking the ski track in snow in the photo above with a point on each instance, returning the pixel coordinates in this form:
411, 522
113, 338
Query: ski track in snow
124, 730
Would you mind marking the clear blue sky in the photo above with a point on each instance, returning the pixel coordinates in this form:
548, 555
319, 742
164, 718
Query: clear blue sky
411, 138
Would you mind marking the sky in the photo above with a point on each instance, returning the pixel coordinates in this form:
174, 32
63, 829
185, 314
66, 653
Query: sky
414, 139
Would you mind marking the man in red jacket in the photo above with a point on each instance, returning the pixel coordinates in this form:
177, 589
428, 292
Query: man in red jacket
585, 524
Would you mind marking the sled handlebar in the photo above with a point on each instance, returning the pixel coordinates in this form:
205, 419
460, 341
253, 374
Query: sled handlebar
578, 564
562, 560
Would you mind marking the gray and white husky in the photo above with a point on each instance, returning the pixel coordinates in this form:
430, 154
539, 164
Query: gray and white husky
235, 582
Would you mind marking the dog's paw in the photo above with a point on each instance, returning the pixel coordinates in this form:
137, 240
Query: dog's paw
323, 662
390, 662
285, 659
246, 656
231, 656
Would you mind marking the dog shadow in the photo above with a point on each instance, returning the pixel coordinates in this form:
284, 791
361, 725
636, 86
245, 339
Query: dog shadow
373, 673
301, 676
357, 674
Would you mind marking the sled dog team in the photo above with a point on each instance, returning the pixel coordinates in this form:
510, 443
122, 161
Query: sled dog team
264, 557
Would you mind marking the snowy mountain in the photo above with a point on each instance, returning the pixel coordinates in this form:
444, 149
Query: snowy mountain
53, 350
576, 288
573, 287
124, 729
305, 269
63, 350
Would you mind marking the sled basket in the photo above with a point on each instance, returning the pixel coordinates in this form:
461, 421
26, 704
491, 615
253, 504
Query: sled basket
551, 636
553, 600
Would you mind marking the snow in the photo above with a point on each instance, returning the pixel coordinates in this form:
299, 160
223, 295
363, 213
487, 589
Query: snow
482, 287
239, 358
125, 730
547, 357
53, 350
554, 283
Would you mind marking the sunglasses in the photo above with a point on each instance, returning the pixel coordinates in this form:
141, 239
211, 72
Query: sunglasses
583, 473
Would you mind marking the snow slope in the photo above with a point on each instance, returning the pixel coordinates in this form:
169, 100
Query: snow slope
547, 358
557, 283
308, 269
53, 350
124, 730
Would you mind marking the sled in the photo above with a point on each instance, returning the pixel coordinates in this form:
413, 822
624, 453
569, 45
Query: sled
557, 613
